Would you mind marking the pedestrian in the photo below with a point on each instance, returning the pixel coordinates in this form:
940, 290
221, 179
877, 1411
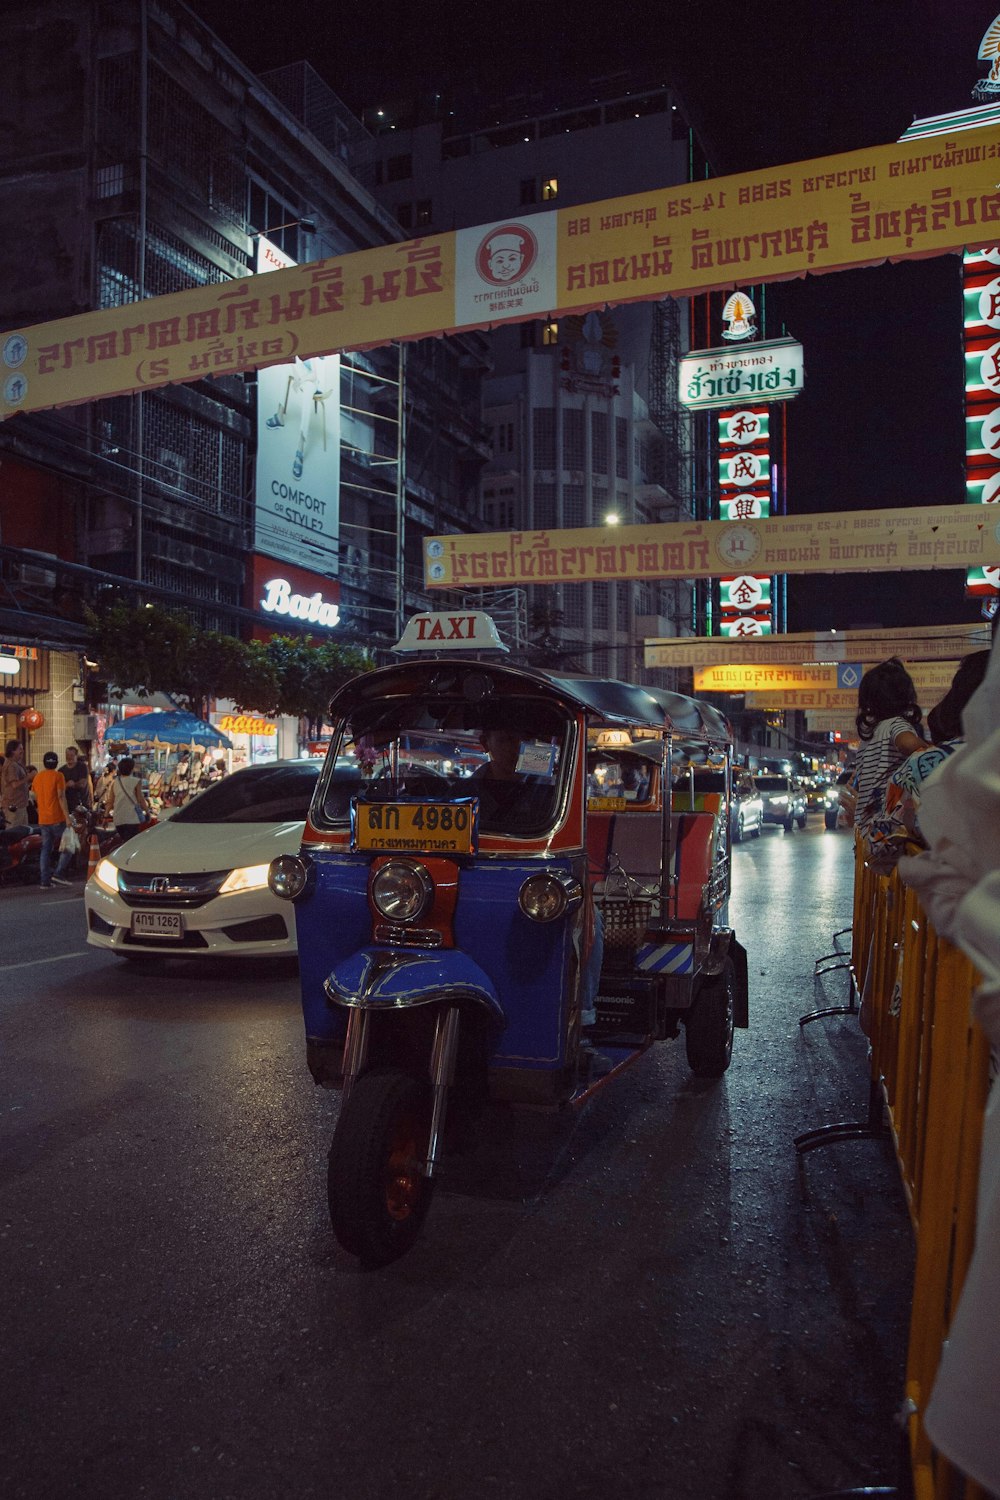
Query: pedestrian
129, 807
53, 815
79, 785
891, 818
104, 783
888, 718
179, 785
14, 785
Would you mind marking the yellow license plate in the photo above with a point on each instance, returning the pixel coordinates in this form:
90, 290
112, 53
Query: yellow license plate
419, 827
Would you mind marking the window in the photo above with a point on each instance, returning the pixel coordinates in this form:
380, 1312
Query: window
529, 335
404, 215
621, 447
545, 506
424, 212
110, 181
550, 333
573, 505
527, 190
573, 455
399, 168
550, 188
599, 444
544, 434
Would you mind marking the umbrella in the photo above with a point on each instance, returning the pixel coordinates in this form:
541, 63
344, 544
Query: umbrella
176, 728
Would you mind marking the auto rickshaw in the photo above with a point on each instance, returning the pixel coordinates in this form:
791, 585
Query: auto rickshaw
508, 889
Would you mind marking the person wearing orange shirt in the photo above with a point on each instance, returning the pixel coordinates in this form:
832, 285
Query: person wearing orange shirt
49, 788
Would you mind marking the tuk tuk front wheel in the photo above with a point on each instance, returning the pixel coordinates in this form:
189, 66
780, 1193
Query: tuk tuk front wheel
708, 1027
377, 1192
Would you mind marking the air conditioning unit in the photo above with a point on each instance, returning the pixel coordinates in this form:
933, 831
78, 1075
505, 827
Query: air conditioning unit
85, 726
171, 468
33, 575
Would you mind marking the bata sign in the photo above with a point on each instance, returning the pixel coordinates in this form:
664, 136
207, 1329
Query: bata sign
279, 600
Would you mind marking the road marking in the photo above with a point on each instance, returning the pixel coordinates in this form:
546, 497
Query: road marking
32, 963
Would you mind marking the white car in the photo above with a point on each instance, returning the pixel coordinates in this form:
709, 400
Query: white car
196, 885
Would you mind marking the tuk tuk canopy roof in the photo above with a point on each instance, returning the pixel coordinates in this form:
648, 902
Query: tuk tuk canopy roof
603, 699
651, 707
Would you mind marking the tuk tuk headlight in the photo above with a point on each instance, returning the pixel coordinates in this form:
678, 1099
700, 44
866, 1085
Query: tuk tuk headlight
543, 898
287, 876
402, 891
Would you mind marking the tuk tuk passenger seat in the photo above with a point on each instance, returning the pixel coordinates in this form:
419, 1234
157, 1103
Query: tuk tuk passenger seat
631, 843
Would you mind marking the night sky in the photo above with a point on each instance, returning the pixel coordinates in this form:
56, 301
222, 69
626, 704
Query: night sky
765, 81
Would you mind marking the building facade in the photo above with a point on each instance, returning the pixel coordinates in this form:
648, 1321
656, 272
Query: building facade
584, 421
139, 157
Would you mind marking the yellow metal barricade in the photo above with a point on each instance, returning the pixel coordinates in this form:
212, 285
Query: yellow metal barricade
932, 1061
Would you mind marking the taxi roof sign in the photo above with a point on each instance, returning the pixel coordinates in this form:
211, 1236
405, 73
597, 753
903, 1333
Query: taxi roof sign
440, 630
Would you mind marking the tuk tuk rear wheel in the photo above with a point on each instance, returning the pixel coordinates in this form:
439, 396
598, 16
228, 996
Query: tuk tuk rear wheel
377, 1193
708, 1026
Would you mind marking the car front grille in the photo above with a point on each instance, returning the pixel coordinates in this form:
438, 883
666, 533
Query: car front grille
172, 891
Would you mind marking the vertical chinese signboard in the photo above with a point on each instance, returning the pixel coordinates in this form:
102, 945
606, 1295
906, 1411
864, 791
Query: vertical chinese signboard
741, 383
744, 495
981, 288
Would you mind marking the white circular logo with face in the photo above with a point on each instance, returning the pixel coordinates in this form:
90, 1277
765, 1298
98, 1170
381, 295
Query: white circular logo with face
506, 254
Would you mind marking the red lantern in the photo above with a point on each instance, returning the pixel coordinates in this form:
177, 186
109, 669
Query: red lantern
31, 719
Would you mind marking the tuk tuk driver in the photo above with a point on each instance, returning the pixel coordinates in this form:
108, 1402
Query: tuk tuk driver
510, 801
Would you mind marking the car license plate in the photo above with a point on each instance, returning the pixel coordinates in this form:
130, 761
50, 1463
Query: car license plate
423, 827
159, 924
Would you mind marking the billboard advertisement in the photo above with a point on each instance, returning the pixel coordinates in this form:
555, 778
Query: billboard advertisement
297, 492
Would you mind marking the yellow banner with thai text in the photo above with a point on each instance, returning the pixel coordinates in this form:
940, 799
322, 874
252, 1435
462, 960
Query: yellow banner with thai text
953, 536
928, 678
914, 643
908, 199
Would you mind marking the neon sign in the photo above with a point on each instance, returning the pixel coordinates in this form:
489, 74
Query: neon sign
279, 600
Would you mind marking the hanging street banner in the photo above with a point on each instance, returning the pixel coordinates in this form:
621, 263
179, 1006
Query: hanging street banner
916, 643
769, 371
831, 721
906, 200
858, 541
931, 680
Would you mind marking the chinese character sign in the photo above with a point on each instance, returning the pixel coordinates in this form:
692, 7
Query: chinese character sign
981, 288
744, 495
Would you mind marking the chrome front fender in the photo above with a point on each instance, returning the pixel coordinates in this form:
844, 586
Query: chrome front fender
379, 979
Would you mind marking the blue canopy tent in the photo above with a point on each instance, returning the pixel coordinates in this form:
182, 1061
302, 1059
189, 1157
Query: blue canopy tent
174, 730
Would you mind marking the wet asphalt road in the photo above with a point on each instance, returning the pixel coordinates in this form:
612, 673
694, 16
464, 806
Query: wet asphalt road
652, 1298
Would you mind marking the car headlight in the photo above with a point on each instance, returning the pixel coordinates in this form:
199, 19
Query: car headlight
249, 878
543, 898
402, 891
287, 876
106, 876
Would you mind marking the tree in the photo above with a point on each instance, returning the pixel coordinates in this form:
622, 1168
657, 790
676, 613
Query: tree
152, 650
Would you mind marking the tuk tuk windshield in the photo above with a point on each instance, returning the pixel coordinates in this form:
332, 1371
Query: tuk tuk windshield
511, 756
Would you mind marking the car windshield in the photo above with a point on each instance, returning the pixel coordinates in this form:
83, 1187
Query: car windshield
772, 783
513, 761
257, 794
